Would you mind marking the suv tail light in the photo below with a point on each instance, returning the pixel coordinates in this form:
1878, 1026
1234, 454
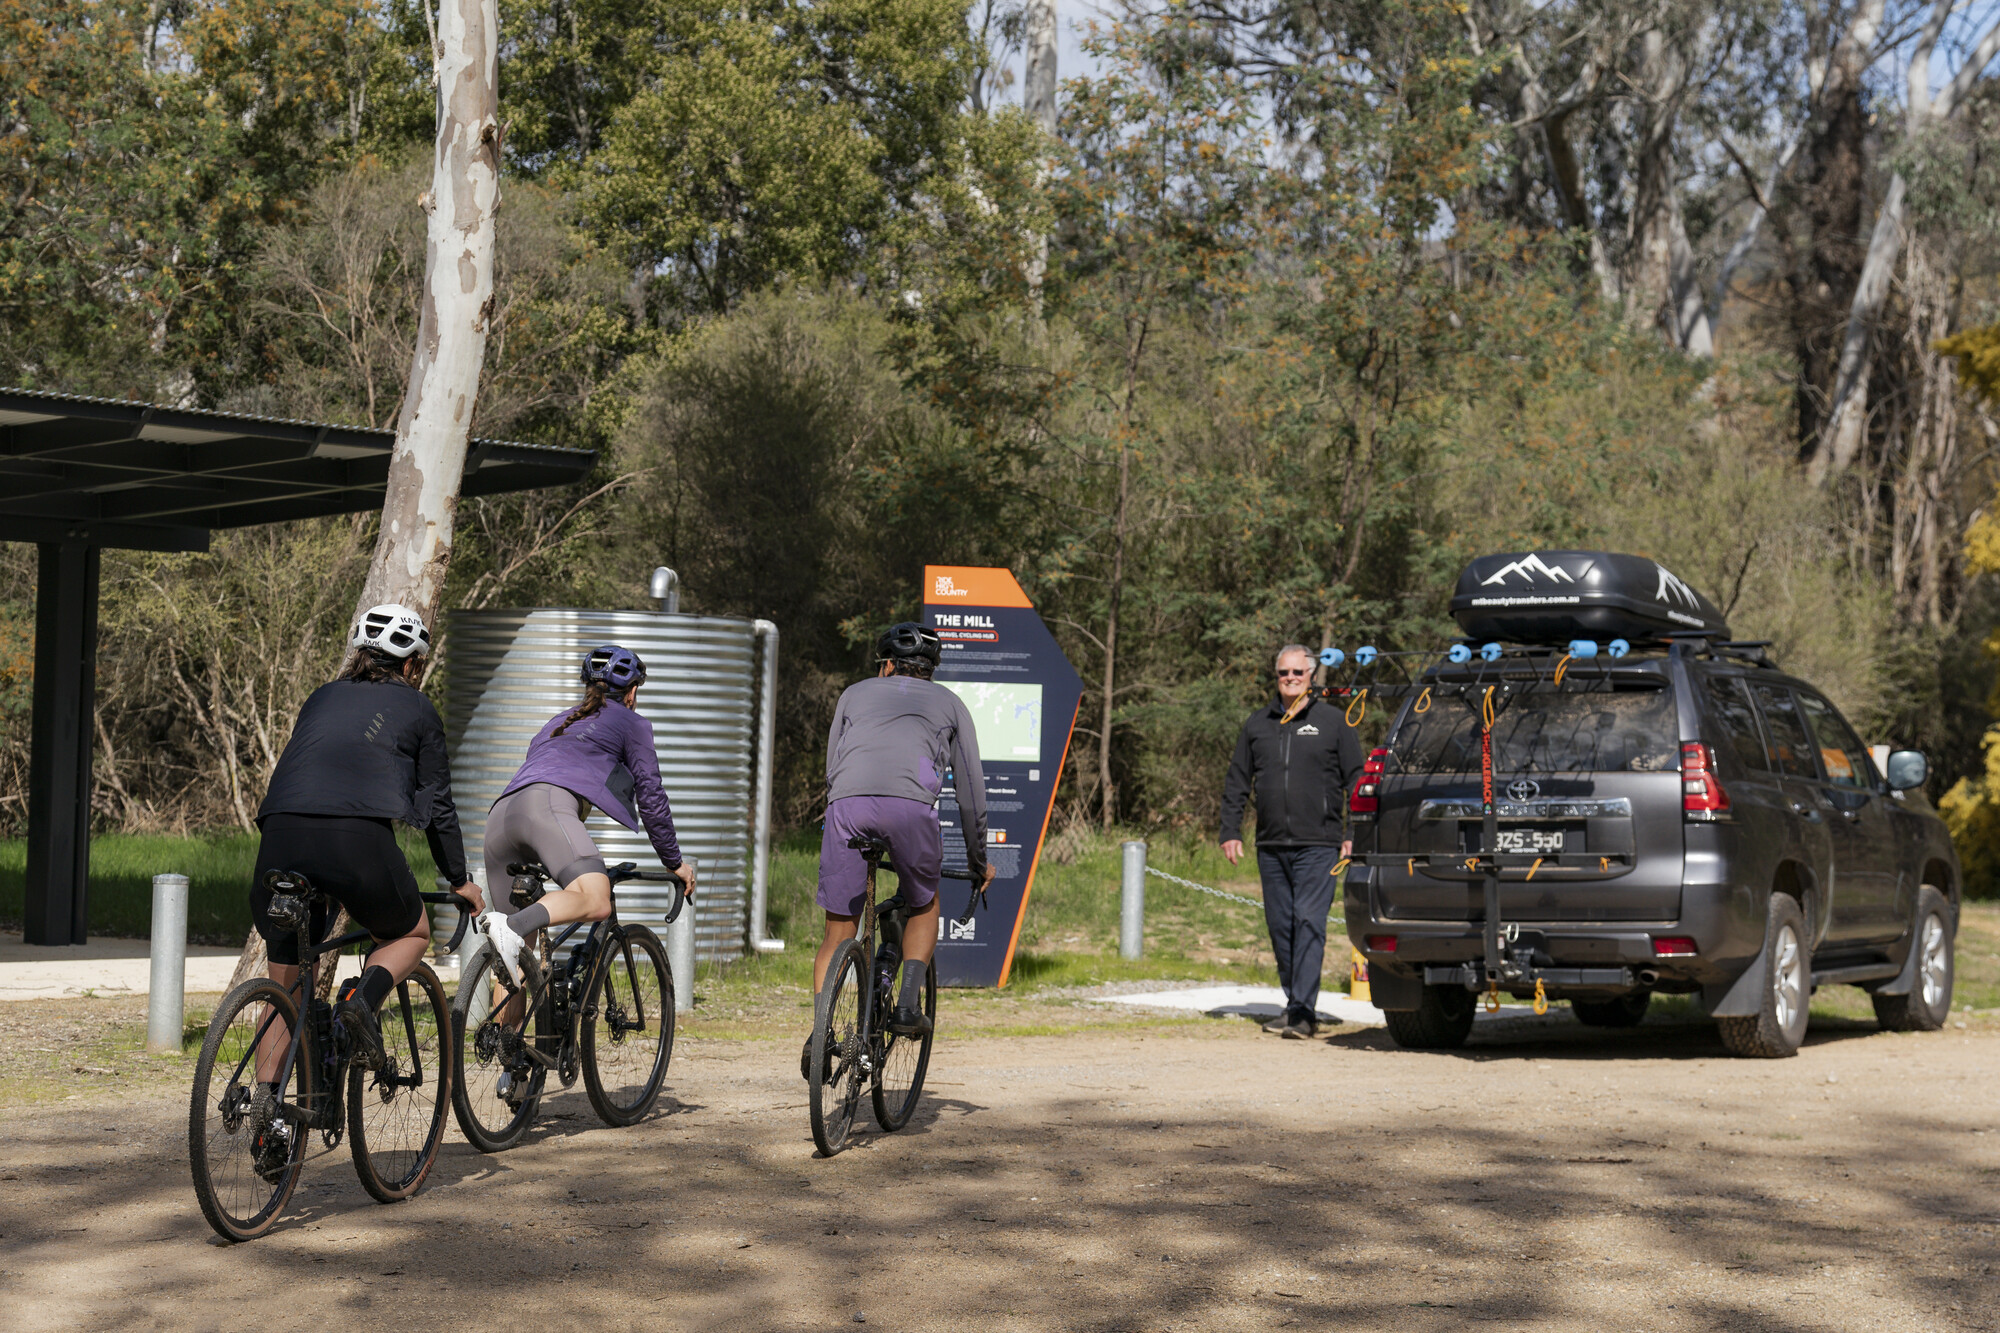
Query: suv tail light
1702, 796
1381, 943
1674, 946
1367, 798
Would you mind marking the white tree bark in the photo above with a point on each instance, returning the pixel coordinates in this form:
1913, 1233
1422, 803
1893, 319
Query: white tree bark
1847, 419
414, 545
1038, 99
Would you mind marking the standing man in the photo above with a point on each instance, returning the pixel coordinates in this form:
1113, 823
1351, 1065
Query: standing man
1302, 758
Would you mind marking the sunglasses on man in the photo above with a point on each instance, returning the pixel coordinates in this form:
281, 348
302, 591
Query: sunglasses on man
1293, 671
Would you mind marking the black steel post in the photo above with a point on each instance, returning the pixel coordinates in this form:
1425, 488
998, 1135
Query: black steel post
59, 761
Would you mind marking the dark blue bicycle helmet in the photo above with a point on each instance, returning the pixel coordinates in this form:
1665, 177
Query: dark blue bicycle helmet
908, 640
617, 669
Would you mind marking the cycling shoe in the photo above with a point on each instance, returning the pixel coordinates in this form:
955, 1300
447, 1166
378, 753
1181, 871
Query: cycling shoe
909, 1021
362, 1027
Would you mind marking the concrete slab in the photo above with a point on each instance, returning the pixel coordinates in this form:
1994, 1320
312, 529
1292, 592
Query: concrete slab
124, 967
1269, 1002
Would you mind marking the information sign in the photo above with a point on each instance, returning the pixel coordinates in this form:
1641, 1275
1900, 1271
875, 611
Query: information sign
1023, 695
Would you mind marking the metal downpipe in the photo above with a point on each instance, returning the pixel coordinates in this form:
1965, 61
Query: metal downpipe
766, 634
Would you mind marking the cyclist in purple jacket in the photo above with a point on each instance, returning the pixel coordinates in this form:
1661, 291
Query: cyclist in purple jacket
600, 754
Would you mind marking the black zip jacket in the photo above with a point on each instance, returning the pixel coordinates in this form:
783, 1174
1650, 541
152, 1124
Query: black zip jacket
1302, 771
373, 749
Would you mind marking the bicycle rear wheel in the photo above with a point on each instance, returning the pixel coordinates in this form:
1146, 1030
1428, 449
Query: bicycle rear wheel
395, 1115
493, 1093
899, 1079
247, 1148
628, 1026
837, 1047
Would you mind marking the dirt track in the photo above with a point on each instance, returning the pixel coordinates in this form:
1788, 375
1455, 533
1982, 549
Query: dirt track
1192, 1176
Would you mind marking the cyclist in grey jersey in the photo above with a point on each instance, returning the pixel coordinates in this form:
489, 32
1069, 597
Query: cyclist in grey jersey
893, 739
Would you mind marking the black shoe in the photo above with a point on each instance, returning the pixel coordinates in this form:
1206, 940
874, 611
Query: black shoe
909, 1021
1301, 1029
364, 1030
1278, 1024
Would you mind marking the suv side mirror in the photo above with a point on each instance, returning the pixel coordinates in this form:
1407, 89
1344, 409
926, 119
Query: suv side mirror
1907, 769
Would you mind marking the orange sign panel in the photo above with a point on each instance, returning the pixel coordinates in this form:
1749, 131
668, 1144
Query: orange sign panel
964, 585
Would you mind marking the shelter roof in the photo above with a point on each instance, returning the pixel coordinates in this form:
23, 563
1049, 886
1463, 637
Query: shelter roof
148, 477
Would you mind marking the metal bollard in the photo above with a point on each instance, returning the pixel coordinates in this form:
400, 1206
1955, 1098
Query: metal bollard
166, 986
1132, 902
680, 955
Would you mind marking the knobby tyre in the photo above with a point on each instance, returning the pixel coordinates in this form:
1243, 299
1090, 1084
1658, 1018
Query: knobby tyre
1928, 1004
628, 1026
245, 1154
1441, 1021
837, 1047
899, 1079
492, 1097
1778, 1028
395, 1115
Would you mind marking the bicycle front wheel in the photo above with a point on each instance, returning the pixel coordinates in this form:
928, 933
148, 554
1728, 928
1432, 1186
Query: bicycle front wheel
628, 1026
899, 1079
395, 1114
838, 1044
246, 1139
495, 1088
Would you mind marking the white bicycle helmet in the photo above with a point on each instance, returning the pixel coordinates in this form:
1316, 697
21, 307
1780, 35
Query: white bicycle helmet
393, 630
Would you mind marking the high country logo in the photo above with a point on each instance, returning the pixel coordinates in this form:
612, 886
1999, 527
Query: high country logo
1680, 591
1307, 730
960, 930
1530, 567
946, 588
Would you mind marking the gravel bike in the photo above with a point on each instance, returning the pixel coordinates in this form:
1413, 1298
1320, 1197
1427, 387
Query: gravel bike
247, 1136
605, 1011
851, 1040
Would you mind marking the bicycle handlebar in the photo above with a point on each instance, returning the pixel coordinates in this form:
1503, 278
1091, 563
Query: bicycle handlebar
625, 870
464, 914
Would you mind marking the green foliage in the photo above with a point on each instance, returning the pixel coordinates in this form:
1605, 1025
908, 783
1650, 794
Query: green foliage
769, 141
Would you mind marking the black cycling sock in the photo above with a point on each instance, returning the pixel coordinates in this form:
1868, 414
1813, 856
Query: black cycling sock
528, 920
376, 983
913, 985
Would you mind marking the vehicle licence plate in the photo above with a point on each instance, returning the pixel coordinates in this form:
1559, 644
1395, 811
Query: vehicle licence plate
1538, 841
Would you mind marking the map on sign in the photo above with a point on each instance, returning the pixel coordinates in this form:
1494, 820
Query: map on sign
1007, 716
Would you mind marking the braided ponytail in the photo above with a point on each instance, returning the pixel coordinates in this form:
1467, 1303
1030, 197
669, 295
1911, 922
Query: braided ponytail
593, 702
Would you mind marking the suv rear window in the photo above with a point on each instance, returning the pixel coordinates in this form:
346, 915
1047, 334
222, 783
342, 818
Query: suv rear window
1632, 729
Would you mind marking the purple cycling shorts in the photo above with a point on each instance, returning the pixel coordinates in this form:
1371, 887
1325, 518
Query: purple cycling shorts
914, 845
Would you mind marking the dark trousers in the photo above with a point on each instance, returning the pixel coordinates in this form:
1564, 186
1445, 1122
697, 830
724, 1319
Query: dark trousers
1298, 894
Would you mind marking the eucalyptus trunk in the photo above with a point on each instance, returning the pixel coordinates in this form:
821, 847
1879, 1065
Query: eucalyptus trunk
413, 544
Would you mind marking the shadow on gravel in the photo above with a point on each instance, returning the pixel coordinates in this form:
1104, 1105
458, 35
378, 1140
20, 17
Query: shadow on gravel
1559, 1036
1248, 1205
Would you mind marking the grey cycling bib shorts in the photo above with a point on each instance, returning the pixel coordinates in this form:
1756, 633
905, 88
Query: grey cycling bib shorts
540, 822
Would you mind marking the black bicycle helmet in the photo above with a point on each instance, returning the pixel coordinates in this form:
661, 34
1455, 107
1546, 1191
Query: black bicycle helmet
906, 640
617, 669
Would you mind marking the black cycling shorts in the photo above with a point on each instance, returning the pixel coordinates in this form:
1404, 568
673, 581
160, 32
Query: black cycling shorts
354, 860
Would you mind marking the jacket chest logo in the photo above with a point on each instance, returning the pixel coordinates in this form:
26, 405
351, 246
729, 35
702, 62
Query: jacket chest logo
1307, 730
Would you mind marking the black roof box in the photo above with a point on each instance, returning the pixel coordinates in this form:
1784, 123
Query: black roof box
1556, 596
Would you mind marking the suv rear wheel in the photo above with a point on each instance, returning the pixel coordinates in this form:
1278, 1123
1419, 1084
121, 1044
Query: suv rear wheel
1441, 1020
1779, 1026
1624, 1012
1928, 1004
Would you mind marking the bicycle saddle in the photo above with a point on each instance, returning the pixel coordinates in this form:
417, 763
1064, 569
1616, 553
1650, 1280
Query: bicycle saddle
865, 843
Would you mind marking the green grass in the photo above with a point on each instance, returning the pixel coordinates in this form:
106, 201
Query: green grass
1070, 934
219, 867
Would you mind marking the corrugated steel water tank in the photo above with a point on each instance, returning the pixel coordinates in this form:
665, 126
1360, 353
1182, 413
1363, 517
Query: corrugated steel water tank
508, 672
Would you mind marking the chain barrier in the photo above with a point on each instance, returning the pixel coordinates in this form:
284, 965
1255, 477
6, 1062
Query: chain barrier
1203, 888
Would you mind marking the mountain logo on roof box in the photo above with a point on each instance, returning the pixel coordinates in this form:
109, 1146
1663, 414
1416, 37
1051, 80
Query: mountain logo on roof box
1531, 567
1669, 584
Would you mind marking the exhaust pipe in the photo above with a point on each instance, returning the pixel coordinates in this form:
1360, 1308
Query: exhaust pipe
1648, 976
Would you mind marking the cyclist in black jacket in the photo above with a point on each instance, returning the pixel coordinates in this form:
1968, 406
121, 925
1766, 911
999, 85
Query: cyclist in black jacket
1303, 759
367, 751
